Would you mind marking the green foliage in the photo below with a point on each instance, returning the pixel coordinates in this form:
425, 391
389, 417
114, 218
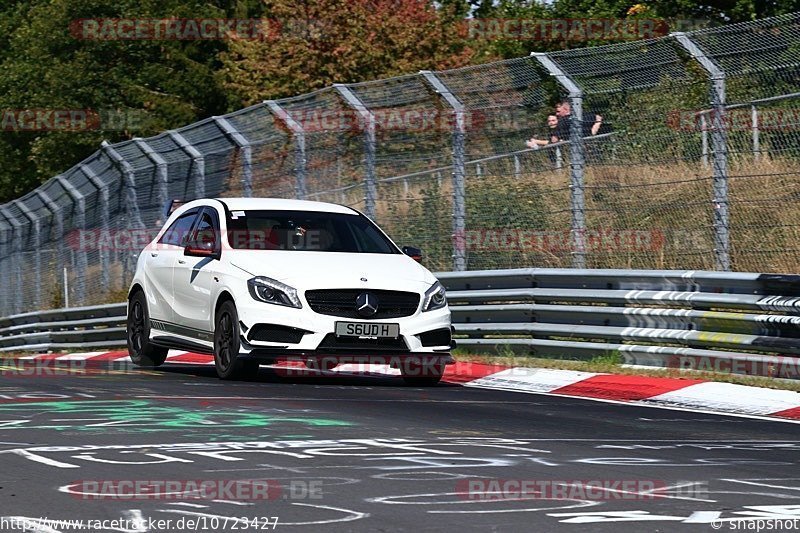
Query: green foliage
163, 84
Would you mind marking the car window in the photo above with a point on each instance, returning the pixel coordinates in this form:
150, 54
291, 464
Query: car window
178, 232
207, 229
309, 231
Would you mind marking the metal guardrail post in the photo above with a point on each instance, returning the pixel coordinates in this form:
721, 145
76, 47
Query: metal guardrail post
368, 120
105, 222
459, 172
80, 222
241, 141
16, 258
719, 143
58, 217
162, 171
576, 156
300, 189
5, 255
131, 203
37, 257
198, 163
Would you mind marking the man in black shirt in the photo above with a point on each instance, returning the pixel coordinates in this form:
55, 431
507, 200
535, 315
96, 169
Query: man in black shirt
591, 122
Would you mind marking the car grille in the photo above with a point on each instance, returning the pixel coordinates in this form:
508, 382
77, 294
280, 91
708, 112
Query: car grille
342, 303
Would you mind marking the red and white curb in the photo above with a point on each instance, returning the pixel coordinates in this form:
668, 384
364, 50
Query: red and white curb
684, 394
671, 393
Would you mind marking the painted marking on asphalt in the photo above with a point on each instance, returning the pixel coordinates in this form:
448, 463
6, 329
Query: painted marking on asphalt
766, 485
231, 502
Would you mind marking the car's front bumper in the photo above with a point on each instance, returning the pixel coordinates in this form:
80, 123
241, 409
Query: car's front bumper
319, 339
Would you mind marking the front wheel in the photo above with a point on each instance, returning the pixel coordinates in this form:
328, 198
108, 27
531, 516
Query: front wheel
227, 345
142, 351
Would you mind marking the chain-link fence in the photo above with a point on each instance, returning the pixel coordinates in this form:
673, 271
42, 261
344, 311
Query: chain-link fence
679, 152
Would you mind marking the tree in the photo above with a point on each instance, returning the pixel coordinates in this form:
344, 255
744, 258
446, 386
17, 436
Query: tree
43, 65
314, 43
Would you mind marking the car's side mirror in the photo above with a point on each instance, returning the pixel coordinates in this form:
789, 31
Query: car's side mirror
413, 253
202, 249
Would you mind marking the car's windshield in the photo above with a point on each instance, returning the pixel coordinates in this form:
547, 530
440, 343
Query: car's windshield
307, 231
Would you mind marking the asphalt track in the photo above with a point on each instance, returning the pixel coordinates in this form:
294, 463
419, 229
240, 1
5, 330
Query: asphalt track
370, 454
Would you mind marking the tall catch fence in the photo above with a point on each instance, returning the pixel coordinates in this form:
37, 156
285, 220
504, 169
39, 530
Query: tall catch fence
675, 153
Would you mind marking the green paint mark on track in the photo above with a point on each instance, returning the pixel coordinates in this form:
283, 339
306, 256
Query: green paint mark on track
144, 416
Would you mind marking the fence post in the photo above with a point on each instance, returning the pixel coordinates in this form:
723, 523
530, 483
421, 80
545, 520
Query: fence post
80, 222
162, 171
58, 217
16, 258
37, 256
459, 172
131, 203
704, 137
576, 158
243, 144
198, 163
299, 135
719, 143
369, 146
756, 133
102, 189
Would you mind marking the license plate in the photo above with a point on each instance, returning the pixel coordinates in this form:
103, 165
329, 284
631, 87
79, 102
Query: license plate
365, 329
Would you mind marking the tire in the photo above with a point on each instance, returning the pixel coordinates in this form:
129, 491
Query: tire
227, 345
142, 351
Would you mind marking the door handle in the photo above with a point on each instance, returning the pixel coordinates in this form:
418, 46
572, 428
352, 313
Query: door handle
153, 254
181, 261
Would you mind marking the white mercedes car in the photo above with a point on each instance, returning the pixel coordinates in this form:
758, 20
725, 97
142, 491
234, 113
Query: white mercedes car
260, 280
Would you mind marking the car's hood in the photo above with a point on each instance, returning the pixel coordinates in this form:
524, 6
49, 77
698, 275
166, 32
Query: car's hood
308, 270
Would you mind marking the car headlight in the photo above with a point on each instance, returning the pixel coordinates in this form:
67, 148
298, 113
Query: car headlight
435, 298
272, 291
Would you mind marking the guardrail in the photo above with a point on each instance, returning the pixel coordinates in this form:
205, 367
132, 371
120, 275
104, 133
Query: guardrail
98, 326
719, 321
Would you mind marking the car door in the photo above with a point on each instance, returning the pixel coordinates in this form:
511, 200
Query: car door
193, 279
160, 265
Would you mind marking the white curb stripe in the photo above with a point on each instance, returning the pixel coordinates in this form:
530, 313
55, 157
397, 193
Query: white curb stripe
531, 379
731, 397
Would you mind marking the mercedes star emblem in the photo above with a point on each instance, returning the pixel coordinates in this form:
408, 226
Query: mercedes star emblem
367, 304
